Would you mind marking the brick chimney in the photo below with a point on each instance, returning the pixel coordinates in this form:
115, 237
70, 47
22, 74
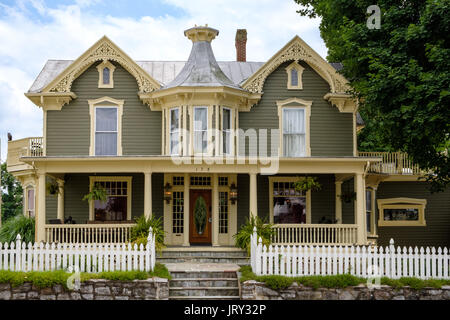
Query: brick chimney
241, 44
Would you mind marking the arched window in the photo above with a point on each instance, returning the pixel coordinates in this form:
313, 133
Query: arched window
106, 75
294, 73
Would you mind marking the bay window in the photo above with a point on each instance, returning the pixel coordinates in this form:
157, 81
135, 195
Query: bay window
200, 130
226, 131
174, 131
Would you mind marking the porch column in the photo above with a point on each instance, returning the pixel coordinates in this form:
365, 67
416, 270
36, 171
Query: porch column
338, 202
186, 211
40, 216
60, 214
215, 219
148, 195
360, 213
253, 196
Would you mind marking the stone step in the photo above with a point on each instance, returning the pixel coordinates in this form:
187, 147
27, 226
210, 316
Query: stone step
203, 291
202, 274
207, 254
206, 282
205, 259
204, 298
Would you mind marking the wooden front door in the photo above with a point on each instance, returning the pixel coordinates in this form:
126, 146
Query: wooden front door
200, 216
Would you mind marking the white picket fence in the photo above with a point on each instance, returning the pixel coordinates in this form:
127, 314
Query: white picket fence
362, 261
94, 258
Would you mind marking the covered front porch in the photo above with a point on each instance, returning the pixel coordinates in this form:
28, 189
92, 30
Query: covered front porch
233, 192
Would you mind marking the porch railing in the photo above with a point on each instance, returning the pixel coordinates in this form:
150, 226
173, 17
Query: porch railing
392, 163
87, 233
325, 234
27, 147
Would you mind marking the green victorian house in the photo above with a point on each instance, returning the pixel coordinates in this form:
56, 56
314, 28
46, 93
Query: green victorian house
205, 144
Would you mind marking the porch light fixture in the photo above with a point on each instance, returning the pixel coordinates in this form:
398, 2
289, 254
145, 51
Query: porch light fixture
233, 193
168, 192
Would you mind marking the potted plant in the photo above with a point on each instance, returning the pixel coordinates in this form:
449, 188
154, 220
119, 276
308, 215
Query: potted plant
52, 188
304, 184
97, 193
348, 196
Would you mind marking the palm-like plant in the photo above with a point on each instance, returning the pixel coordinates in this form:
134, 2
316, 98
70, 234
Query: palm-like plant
139, 233
18, 225
264, 231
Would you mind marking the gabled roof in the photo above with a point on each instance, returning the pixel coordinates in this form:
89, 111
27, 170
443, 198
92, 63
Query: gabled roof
162, 71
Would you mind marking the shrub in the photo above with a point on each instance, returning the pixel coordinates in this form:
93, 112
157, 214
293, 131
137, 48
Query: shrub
139, 233
263, 230
18, 225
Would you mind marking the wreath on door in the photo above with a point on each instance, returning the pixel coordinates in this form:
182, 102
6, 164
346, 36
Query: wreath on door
200, 213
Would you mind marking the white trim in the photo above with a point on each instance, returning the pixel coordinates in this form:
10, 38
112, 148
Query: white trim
100, 68
169, 128
299, 69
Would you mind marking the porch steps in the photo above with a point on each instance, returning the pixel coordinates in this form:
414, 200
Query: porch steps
236, 256
204, 285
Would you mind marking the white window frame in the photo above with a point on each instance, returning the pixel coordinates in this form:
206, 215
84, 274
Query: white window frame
106, 102
288, 179
128, 179
295, 103
230, 131
170, 132
111, 67
26, 202
208, 133
299, 70
401, 203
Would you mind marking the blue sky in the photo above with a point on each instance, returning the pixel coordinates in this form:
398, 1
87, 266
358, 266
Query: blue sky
34, 31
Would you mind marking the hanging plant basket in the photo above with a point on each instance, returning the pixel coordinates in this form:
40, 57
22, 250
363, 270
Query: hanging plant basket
304, 184
52, 188
348, 197
97, 193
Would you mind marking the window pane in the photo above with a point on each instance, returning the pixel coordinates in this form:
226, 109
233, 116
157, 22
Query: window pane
226, 123
200, 119
294, 77
174, 120
289, 210
293, 145
401, 214
106, 144
106, 75
226, 142
293, 120
174, 143
174, 131
106, 119
114, 209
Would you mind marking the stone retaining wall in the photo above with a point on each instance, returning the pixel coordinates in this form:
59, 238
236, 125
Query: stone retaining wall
150, 289
253, 290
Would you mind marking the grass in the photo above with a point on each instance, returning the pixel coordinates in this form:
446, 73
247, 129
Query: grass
48, 279
338, 281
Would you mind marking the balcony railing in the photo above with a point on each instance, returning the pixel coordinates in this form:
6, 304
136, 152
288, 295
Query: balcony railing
88, 233
314, 234
392, 163
28, 147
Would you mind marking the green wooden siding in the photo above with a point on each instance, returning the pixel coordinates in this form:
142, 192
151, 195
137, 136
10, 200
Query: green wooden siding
157, 195
348, 209
437, 216
68, 130
51, 203
331, 131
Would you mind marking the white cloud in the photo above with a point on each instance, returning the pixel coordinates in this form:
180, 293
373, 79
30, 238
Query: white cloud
66, 32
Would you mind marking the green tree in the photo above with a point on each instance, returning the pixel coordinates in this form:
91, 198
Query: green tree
400, 72
12, 195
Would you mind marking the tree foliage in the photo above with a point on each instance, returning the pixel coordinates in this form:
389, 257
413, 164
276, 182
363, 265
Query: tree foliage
400, 72
12, 195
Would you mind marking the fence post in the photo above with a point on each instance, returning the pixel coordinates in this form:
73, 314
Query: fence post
18, 266
253, 244
258, 257
392, 259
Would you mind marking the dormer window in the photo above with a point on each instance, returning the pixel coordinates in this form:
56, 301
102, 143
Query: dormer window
105, 74
295, 72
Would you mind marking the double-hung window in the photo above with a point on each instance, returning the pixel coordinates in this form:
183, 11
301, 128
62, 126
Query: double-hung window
106, 131
294, 132
200, 130
174, 131
226, 131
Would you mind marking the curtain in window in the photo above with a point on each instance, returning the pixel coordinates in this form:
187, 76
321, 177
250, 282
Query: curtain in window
294, 132
106, 132
106, 75
226, 131
174, 131
200, 130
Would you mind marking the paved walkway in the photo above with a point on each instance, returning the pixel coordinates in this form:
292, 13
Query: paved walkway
199, 267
